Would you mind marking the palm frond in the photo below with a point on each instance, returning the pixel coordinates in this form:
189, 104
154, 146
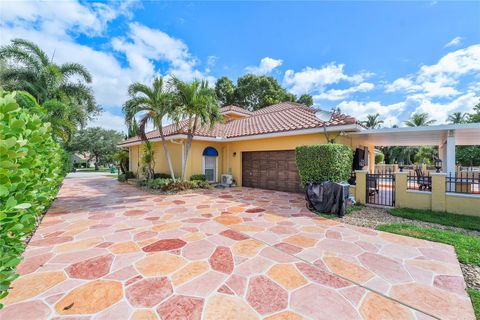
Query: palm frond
75, 69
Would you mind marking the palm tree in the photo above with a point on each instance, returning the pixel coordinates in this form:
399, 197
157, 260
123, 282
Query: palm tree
196, 105
373, 121
419, 120
121, 158
457, 117
26, 67
154, 104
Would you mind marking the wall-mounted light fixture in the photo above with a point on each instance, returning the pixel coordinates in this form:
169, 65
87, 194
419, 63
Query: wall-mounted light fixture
234, 154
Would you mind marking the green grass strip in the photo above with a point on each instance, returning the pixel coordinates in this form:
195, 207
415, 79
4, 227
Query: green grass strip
475, 297
467, 247
443, 218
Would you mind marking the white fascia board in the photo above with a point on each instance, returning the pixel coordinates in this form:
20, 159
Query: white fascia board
443, 127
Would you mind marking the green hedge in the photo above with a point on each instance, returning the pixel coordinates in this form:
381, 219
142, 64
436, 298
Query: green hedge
324, 162
198, 177
31, 171
162, 176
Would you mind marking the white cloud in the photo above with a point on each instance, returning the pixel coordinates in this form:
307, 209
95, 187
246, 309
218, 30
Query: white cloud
439, 79
359, 109
315, 80
108, 120
339, 94
50, 25
267, 64
454, 42
440, 111
56, 17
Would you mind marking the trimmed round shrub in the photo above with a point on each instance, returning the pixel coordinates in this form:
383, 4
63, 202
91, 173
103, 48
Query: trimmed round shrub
31, 171
324, 162
198, 177
379, 158
129, 175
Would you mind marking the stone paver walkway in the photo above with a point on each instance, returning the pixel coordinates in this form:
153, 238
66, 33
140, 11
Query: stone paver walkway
107, 250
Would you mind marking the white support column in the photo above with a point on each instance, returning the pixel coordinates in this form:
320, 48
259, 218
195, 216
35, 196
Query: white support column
450, 153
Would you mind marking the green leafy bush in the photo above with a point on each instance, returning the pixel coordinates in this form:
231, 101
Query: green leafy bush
162, 176
198, 177
324, 162
31, 172
122, 177
130, 175
158, 183
168, 185
379, 158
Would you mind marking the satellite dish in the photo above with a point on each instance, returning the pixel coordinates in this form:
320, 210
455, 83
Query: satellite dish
324, 115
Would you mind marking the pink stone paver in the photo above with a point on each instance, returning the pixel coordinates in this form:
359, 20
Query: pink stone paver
109, 250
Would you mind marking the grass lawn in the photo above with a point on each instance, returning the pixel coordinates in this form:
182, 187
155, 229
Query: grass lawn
475, 297
444, 218
467, 247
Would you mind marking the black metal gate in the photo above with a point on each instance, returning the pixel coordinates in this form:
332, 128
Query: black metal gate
380, 189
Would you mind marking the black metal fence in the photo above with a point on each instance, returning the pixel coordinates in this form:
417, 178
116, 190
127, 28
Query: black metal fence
380, 189
463, 182
419, 180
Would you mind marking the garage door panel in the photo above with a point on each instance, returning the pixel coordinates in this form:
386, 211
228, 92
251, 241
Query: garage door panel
275, 170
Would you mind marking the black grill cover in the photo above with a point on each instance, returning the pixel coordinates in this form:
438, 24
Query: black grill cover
327, 197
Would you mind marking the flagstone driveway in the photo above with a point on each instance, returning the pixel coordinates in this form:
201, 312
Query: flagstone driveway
107, 250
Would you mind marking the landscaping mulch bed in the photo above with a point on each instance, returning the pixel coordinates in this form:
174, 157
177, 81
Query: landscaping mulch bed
371, 217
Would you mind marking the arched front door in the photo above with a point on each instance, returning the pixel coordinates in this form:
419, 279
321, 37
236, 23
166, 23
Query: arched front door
210, 164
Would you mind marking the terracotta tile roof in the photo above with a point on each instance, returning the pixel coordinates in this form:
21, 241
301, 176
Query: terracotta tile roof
234, 108
282, 117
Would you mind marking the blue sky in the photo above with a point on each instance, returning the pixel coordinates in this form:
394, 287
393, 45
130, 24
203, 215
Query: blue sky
394, 58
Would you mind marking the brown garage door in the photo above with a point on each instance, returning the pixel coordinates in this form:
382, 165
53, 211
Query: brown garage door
274, 170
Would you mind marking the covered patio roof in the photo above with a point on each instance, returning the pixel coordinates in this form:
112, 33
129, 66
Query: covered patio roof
465, 134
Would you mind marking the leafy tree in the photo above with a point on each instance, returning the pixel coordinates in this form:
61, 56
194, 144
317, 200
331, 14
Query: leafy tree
62, 90
224, 88
197, 105
98, 143
425, 154
475, 116
305, 99
373, 121
457, 117
133, 129
255, 92
154, 103
468, 155
419, 120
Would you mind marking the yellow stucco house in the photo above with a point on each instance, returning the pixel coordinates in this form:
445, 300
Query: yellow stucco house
257, 148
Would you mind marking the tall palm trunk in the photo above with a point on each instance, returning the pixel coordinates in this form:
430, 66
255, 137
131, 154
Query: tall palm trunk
187, 153
189, 145
167, 153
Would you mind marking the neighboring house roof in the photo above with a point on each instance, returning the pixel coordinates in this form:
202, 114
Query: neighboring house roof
282, 117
